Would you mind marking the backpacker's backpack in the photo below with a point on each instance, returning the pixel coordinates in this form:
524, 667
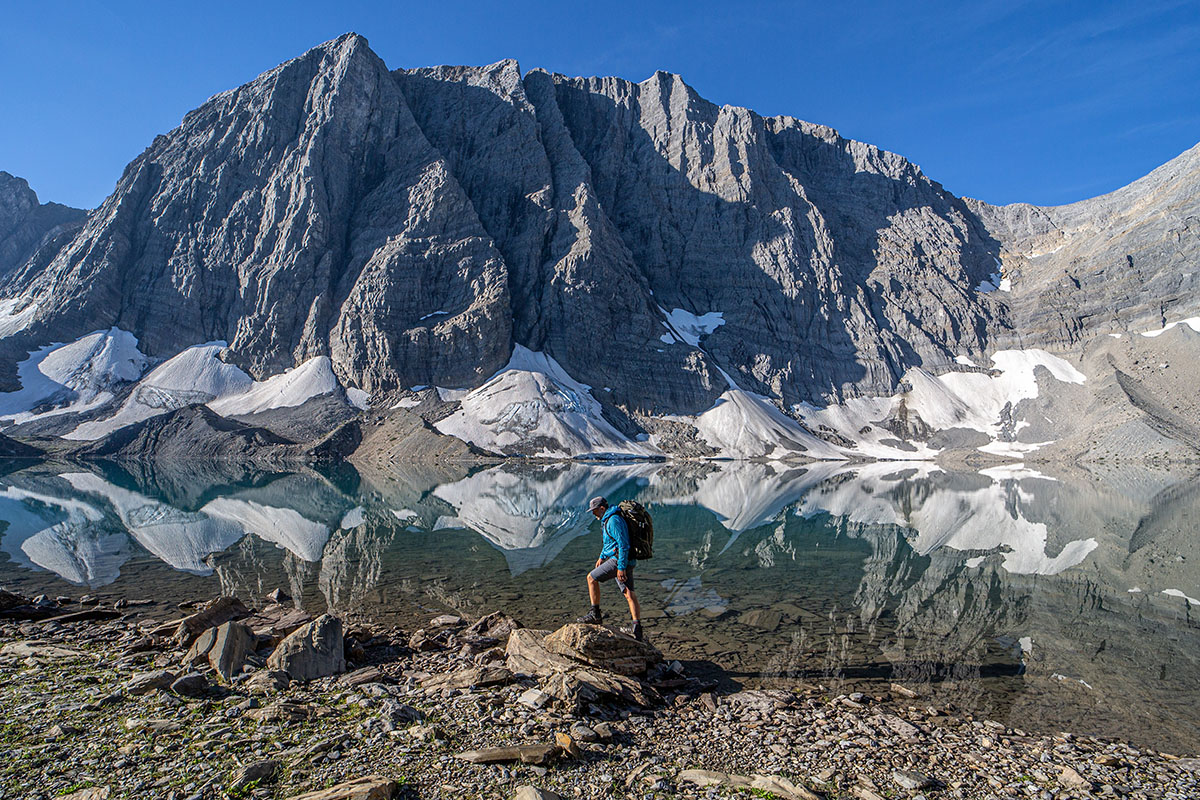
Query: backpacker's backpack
641, 529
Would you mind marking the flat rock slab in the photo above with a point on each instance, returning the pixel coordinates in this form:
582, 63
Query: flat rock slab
525, 753
471, 677
147, 682
91, 793
600, 647
773, 784
35, 649
372, 787
219, 611
534, 793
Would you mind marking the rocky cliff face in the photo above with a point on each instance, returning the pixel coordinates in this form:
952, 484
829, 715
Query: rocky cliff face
1125, 261
562, 266
28, 227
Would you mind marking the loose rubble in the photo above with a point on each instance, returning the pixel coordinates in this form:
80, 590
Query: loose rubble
230, 702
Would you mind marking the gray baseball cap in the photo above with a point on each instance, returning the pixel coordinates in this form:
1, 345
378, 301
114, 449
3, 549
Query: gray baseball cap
596, 502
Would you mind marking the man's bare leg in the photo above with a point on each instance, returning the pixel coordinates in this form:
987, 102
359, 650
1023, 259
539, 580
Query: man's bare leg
593, 590
635, 610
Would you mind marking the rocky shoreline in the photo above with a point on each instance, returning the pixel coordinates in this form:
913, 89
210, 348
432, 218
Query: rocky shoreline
225, 701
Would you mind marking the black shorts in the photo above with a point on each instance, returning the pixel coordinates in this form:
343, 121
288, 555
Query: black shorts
608, 570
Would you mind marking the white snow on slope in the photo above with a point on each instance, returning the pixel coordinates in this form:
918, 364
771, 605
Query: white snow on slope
971, 400
180, 538
1191, 322
1176, 593
198, 375
745, 425
15, 321
684, 326
73, 378
283, 527
534, 399
294, 387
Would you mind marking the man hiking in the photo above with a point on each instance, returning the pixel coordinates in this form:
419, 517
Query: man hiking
615, 561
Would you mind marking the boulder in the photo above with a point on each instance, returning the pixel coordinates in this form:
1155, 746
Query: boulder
527, 653
601, 647
210, 615
372, 787
225, 648
311, 652
496, 625
252, 773
572, 683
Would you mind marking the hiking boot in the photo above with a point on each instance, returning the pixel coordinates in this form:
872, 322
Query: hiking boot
635, 631
590, 618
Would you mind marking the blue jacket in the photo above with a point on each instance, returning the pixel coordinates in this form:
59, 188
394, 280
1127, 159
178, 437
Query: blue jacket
616, 539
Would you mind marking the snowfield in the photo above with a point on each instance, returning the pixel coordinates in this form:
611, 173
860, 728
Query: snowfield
534, 403
73, 378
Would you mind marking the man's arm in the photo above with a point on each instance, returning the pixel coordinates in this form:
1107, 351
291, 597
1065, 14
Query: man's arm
620, 532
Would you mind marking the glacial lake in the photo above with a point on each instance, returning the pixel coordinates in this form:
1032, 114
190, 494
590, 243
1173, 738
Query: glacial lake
1044, 601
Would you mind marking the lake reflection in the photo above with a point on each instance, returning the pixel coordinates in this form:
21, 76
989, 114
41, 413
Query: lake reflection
1045, 601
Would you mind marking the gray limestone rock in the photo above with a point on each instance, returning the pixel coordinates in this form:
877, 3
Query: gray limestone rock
311, 652
29, 227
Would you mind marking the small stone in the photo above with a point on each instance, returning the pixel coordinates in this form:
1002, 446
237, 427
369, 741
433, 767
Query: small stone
533, 793
191, 685
534, 698
583, 733
911, 780
258, 771
1073, 780
147, 682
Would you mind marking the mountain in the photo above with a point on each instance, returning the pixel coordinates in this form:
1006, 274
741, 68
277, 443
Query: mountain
552, 266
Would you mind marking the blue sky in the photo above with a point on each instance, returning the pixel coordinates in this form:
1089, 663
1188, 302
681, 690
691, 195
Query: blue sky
1043, 102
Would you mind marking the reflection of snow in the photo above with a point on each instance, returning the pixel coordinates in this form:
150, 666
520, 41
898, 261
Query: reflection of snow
61, 535
281, 526
686, 597
531, 515
352, 518
992, 518
180, 538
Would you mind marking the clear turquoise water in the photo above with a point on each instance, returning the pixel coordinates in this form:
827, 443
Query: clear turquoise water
1045, 601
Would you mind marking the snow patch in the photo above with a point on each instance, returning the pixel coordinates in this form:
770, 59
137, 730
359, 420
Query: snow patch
73, 378
359, 398
684, 326
965, 361
1191, 322
293, 387
406, 402
433, 314
353, 518
533, 399
1176, 593
196, 375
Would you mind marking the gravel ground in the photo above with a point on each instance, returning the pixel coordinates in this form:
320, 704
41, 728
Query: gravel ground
70, 720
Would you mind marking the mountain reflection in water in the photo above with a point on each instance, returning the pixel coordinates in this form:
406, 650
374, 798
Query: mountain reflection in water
1047, 602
